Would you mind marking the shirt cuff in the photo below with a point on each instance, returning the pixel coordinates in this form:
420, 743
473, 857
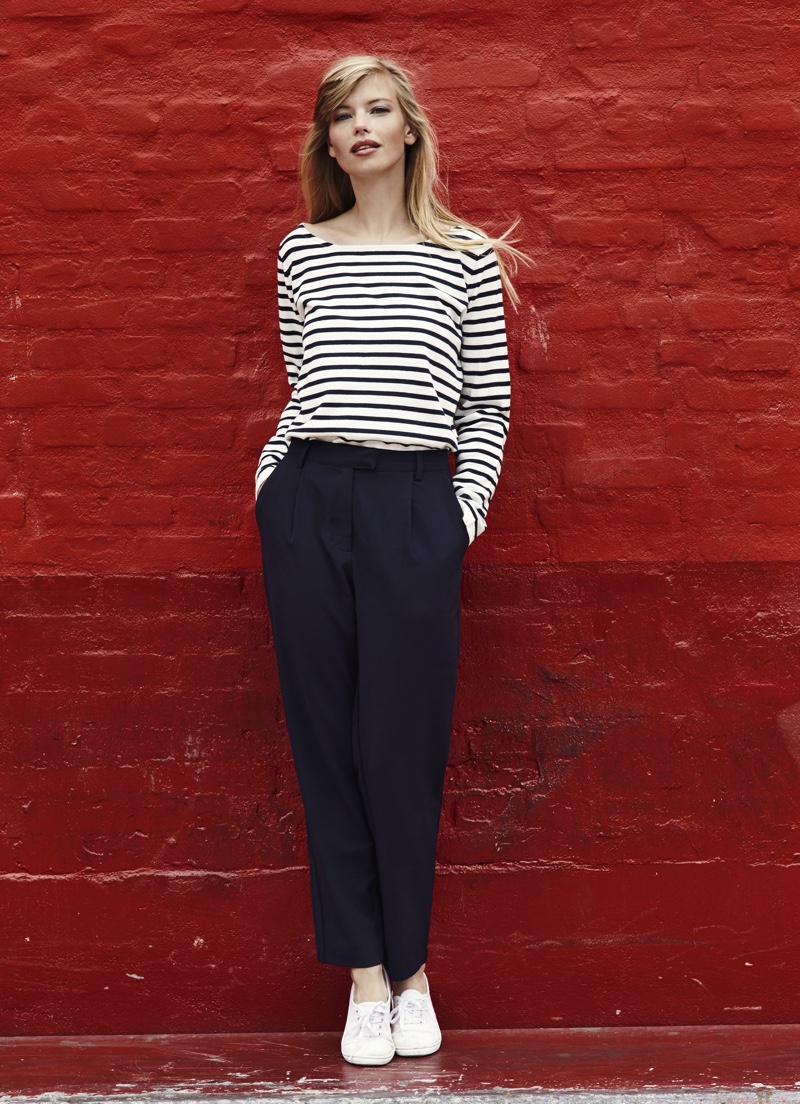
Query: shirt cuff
262, 477
474, 526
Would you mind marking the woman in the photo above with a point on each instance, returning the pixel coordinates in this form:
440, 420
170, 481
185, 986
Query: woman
392, 327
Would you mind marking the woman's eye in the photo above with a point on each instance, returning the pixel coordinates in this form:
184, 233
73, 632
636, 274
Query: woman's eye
344, 114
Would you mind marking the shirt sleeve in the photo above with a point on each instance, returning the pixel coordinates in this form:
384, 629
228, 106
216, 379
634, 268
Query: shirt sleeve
482, 416
291, 335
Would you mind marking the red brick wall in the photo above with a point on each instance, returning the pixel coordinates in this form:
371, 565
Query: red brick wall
620, 837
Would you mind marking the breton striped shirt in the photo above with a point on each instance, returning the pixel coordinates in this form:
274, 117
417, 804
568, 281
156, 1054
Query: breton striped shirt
396, 346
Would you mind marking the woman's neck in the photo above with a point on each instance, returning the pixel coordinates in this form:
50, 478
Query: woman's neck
376, 217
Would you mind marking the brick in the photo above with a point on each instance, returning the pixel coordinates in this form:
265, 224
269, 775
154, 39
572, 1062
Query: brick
696, 352
57, 315
750, 193
40, 154
12, 510
701, 118
141, 510
767, 433
761, 355
601, 72
759, 267
543, 353
606, 231
590, 153
56, 116
625, 395
560, 512
60, 350
749, 233
227, 6
196, 312
10, 351
559, 437
69, 9
182, 390
743, 71
780, 509
593, 314
672, 28
623, 471
91, 195
498, 70
131, 272
723, 312
735, 31
260, 271
780, 116
680, 273
654, 312
600, 29
585, 544
133, 39
767, 151
713, 394
768, 470
543, 273
212, 196
548, 112
210, 156
22, 77
58, 274
127, 116
71, 511
183, 234
627, 271
35, 389
209, 117
695, 438
64, 428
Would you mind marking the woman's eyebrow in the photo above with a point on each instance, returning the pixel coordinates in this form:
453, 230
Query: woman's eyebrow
386, 98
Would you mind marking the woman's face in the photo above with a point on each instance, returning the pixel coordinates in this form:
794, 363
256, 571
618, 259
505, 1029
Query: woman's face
370, 118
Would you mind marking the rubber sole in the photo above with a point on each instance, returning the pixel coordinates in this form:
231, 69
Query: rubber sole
417, 1053
368, 1061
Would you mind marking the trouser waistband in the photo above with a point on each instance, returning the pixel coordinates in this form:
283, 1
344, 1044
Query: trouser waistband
365, 456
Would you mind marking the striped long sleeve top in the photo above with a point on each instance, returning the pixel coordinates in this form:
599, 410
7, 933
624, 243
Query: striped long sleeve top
396, 346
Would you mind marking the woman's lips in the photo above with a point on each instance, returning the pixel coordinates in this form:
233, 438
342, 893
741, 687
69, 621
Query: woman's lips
365, 149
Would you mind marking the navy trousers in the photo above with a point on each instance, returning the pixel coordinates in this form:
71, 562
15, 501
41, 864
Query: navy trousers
362, 554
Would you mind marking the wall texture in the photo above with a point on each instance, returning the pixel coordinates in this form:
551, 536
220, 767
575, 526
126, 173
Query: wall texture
620, 837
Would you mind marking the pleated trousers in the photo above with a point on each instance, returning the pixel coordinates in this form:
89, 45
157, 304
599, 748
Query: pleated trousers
362, 556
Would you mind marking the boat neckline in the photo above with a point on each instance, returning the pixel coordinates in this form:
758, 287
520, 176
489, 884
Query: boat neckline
379, 245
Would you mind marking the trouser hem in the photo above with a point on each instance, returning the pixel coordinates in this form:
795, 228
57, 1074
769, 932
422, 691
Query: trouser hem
352, 962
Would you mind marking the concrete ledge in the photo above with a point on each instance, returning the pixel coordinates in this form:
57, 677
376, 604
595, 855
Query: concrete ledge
500, 1097
637, 1065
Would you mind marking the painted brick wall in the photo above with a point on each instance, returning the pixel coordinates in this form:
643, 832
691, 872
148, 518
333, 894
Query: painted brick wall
620, 837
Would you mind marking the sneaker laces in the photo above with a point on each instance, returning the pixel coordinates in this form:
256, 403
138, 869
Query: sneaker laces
371, 1018
410, 1008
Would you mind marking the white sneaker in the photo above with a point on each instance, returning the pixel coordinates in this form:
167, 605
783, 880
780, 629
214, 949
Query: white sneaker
415, 1029
367, 1038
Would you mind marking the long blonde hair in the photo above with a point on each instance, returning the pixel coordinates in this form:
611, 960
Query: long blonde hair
327, 190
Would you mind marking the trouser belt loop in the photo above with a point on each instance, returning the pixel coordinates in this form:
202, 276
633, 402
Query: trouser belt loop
301, 459
418, 469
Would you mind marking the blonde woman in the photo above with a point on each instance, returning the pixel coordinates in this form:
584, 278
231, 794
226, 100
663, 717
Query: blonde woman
391, 321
